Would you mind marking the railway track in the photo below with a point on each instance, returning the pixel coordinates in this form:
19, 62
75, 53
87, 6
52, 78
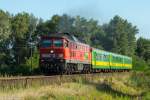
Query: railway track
27, 81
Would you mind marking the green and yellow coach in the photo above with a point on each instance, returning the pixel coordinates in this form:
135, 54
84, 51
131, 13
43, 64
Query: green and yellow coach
107, 61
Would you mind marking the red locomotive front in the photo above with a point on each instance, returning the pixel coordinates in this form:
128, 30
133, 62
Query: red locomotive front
61, 53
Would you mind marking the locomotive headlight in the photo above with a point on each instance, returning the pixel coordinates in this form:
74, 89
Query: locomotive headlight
60, 55
51, 51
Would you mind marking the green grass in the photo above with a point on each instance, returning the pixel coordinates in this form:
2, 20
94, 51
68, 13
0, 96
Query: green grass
97, 88
127, 86
146, 96
66, 91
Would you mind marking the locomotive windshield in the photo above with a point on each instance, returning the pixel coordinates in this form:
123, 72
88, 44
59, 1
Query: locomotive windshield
46, 43
58, 43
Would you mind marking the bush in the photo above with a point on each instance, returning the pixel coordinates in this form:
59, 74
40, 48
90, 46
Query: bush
6, 70
35, 63
21, 69
139, 64
147, 96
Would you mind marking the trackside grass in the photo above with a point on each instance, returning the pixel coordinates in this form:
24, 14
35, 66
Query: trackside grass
66, 91
97, 88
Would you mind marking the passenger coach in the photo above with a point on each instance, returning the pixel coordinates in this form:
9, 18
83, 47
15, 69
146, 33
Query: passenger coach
107, 61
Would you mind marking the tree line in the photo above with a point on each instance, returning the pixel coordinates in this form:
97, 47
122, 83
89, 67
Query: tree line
19, 37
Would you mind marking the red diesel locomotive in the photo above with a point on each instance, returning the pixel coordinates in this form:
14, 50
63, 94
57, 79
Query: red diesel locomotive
62, 53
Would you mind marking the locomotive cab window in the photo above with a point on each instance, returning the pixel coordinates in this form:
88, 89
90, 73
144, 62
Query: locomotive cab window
58, 43
46, 43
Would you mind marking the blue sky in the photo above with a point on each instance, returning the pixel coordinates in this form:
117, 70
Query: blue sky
135, 11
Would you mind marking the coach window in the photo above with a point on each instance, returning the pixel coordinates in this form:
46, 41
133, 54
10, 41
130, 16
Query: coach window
105, 57
114, 58
79, 47
86, 48
100, 57
76, 46
117, 58
71, 45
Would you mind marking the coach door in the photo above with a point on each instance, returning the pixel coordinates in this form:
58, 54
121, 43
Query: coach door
110, 61
95, 58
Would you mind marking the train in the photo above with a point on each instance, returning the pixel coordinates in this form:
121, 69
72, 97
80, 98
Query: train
63, 53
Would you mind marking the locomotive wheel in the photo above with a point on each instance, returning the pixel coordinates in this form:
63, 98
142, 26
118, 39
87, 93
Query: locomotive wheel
69, 69
42, 69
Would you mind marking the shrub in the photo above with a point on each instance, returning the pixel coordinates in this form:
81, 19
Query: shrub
33, 62
139, 64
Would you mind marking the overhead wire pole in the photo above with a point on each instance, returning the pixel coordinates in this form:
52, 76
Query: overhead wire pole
30, 46
31, 57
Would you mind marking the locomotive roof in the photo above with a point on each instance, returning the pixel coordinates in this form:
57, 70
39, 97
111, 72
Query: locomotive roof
68, 36
62, 35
